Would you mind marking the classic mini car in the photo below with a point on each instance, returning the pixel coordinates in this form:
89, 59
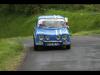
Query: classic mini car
52, 30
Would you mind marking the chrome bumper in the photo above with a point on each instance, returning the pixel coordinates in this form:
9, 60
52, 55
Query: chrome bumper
53, 41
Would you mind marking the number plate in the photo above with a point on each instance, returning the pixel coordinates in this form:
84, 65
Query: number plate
52, 44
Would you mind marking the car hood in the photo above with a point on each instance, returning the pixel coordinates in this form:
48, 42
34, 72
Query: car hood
52, 31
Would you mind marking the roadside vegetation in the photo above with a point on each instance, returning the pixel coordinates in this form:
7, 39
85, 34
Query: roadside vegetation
11, 54
19, 21
14, 25
82, 22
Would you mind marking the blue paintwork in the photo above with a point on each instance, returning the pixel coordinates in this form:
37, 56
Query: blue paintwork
52, 33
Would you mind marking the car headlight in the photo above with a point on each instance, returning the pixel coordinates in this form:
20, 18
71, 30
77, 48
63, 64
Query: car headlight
39, 43
58, 37
47, 37
41, 37
64, 37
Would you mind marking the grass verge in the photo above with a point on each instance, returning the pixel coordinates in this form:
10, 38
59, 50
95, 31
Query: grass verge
11, 54
92, 32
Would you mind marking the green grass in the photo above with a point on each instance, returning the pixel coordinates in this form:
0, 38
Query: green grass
92, 32
16, 25
13, 28
11, 54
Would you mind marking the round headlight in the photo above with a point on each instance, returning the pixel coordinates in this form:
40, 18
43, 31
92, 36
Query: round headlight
58, 37
41, 37
64, 37
47, 37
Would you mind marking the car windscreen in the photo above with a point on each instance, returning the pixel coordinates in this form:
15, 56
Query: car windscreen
56, 23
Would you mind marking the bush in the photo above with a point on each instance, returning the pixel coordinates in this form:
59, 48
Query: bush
96, 24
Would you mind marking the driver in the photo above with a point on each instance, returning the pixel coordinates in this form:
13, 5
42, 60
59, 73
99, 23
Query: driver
41, 23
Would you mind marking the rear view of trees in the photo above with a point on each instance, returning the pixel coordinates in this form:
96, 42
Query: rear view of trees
40, 8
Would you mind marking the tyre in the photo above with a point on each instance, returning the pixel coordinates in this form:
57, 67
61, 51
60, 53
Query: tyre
68, 47
35, 47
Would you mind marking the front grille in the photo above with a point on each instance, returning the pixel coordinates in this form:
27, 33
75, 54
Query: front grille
51, 37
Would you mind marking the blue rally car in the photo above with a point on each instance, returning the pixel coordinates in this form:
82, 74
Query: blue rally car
52, 30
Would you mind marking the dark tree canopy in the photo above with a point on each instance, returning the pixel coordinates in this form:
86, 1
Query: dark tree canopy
40, 8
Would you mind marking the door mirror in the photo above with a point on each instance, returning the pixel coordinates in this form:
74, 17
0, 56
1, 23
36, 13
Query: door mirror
66, 19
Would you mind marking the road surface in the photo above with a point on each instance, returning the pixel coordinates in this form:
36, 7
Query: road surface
84, 55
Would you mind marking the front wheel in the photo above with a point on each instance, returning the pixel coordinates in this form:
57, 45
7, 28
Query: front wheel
68, 47
35, 47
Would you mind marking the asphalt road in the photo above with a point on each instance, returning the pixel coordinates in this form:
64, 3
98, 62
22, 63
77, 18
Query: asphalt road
84, 55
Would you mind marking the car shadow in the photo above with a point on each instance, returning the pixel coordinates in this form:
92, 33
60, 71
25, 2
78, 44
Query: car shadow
48, 49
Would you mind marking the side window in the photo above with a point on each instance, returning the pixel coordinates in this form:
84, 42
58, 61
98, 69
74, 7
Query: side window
41, 23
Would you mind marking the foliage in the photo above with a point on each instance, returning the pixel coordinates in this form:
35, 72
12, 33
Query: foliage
31, 9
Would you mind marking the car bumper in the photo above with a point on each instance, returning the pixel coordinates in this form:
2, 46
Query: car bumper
54, 43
